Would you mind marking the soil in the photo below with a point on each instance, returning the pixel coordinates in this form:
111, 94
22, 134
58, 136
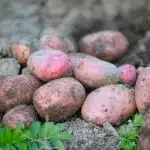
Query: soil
26, 21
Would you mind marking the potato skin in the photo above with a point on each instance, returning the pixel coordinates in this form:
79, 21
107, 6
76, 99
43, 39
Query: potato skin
19, 114
93, 72
59, 99
53, 38
107, 45
128, 74
142, 89
17, 89
21, 52
59, 42
48, 65
111, 103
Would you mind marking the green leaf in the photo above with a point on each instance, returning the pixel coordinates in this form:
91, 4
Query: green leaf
21, 126
33, 146
27, 134
22, 145
35, 128
139, 120
8, 135
48, 128
60, 127
2, 130
63, 136
129, 132
59, 145
10, 147
44, 145
2, 148
16, 135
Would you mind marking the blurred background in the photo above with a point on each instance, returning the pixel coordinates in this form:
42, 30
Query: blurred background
27, 20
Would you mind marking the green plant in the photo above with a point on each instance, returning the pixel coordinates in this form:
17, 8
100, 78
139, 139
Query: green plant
46, 136
129, 132
127, 85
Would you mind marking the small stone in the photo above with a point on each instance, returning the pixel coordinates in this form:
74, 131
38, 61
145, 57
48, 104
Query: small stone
9, 66
87, 136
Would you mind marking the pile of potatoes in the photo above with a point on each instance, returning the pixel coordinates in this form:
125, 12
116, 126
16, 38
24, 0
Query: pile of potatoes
64, 80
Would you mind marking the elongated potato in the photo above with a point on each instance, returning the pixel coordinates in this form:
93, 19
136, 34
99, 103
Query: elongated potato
142, 89
111, 103
59, 99
93, 72
17, 89
19, 114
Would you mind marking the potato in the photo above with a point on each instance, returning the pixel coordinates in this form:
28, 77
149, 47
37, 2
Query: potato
59, 99
142, 89
128, 74
19, 114
48, 65
93, 72
17, 89
21, 52
106, 45
59, 42
111, 103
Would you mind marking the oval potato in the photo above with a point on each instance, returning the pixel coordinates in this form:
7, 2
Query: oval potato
107, 45
59, 99
128, 74
19, 114
21, 52
48, 65
111, 103
17, 89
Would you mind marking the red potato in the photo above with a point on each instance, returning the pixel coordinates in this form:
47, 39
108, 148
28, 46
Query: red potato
142, 89
52, 38
17, 89
58, 42
93, 72
19, 114
59, 99
48, 65
111, 103
21, 52
128, 74
106, 45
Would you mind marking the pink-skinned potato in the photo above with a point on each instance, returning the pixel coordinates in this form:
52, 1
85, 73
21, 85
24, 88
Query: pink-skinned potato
128, 74
48, 65
17, 89
59, 99
111, 103
52, 38
107, 45
19, 114
93, 72
142, 89
58, 42
21, 52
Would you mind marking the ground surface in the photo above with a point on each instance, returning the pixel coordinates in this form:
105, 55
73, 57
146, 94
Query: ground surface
27, 20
